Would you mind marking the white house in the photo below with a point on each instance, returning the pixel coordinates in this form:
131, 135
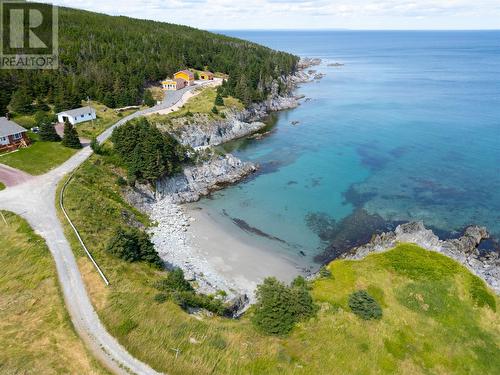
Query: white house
76, 116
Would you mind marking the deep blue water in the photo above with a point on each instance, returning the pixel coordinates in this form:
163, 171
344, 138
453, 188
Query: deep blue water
407, 129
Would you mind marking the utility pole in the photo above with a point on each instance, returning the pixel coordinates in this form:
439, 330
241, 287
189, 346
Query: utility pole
88, 103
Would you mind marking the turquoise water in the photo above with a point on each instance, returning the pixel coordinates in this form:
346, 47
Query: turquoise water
407, 129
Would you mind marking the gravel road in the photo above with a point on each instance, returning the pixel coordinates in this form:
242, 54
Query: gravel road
35, 200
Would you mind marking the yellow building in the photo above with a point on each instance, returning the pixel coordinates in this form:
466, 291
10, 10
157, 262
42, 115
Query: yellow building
185, 75
207, 76
174, 84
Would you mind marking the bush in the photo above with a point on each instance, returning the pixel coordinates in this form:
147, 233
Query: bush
218, 100
96, 146
148, 99
133, 245
279, 307
364, 305
184, 295
120, 181
325, 272
160, 298
215, 110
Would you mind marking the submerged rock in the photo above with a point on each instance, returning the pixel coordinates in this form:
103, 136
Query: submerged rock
464, 249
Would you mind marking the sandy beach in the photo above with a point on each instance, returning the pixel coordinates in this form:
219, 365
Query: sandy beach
217, 257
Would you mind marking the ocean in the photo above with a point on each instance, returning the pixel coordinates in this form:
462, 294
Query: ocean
407, 129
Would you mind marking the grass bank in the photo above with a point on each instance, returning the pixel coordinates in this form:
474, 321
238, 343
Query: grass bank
437, 317
36, 334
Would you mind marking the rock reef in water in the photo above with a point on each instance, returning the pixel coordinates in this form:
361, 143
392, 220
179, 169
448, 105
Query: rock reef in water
464, 249
200, 180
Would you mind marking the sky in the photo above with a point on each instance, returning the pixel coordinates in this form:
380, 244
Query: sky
305, 14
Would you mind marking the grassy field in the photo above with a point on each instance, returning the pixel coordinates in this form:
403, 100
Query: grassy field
36, 334
105, 118
437, 317
38, 158
203, 103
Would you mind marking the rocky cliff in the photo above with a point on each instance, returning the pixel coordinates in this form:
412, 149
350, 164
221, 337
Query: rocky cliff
199, 180
464, 249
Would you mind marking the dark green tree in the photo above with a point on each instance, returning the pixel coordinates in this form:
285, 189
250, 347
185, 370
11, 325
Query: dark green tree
22, 102
215, 110
70, 137
148, 98
219, 100
47, 130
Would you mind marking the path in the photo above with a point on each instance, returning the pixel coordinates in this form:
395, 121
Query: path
11, 176
34, 200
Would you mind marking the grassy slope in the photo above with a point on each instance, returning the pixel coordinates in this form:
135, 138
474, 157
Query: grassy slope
430, 322
36, 335
202, 103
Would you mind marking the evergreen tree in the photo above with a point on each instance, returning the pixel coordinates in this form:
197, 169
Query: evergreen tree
148, 98
40, 104
218, 100
22, 102
47, 131
215, 110
70, 137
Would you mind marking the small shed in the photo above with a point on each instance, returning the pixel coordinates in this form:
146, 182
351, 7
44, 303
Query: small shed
186, 75
78, 115
207, 76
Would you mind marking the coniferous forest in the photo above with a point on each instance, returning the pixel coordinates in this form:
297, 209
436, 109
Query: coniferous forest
112, 59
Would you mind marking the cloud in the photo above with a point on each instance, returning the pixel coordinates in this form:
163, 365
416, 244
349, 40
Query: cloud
272, 14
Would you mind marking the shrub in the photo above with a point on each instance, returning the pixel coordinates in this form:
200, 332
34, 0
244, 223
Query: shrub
325, 272
364, 305
133, 245
120, 181
96, 146
279, 307
160, 298
148, 99
215, 110
174, 282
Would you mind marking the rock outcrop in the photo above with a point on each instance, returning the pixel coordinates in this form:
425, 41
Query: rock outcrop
199, 180
464, 249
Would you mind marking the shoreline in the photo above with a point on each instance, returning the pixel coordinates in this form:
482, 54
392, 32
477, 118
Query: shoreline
211, 254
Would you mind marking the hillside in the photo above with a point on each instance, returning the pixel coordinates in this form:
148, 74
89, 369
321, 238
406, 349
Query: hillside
34, 324
436, 316
111, 59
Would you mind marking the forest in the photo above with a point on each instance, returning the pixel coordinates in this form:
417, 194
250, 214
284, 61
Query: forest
112, 59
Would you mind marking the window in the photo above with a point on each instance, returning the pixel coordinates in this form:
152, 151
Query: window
81, 116
17, 136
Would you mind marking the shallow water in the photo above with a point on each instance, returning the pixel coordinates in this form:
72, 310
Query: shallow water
408, 129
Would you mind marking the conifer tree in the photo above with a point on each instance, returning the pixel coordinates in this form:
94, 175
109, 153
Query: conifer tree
48, 132
70, 138
22, 102
148, 98
218, 100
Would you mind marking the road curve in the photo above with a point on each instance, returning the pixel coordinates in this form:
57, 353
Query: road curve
34, 200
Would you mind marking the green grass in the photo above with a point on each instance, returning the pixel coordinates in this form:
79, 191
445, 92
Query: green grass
38, 158
36, 334
433, 320
105, 118
2, 186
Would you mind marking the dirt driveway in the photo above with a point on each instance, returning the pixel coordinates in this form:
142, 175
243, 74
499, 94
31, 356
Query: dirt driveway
11, 177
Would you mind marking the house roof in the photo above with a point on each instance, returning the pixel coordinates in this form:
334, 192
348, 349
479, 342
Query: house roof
78, 111
8, 127
207, 72
188, 72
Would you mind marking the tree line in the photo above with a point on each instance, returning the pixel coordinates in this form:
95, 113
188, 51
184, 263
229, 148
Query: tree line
112, 59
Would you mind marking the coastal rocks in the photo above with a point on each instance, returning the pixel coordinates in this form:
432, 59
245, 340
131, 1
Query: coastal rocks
203, 131
197, 181
307, 62
463, 250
